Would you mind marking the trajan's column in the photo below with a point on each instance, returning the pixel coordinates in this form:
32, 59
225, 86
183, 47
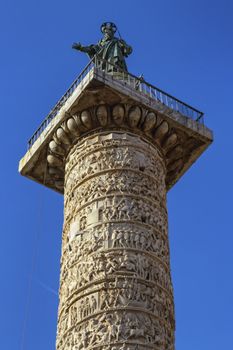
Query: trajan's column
114, 145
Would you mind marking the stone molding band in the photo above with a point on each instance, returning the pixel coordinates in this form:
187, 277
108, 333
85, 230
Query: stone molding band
115, 118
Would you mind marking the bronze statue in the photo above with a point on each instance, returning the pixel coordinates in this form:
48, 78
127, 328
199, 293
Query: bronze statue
109, 48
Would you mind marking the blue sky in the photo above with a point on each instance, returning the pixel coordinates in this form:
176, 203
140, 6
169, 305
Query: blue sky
183, 47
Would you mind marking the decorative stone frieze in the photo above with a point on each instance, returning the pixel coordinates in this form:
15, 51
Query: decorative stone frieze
115, 284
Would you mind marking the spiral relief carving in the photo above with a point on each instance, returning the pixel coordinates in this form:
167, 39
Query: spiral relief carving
115, 284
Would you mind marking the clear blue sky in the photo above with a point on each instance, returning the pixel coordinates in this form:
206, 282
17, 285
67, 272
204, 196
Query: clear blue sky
185, 48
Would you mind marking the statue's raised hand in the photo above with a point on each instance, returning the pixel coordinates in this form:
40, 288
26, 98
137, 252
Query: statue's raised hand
77, 46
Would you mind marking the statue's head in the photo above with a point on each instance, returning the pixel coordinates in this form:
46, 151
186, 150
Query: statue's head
108, 29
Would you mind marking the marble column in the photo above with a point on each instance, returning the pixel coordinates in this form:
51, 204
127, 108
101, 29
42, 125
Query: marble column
114, 147
115, 283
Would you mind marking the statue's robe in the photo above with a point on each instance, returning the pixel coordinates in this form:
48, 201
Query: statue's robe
113, 51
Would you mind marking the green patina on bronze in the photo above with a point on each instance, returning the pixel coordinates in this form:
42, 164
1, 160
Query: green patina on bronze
109, 48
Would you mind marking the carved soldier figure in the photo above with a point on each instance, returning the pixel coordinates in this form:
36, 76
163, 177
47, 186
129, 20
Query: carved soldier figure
84, 338
93, 304
109, 48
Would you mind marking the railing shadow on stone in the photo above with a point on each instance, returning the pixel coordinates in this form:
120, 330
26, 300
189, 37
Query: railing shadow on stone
126, 78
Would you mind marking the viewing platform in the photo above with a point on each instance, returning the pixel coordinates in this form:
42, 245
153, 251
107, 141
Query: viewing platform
100, 81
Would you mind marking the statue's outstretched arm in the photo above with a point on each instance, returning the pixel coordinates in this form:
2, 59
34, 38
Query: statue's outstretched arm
90, 49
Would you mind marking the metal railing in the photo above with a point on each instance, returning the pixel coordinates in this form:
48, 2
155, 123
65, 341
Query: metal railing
126, 78
52, 114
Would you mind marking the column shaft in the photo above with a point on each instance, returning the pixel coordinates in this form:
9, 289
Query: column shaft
115, 285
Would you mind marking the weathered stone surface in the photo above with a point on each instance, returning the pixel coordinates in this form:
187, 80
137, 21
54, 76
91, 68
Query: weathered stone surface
103, 104
115, 285
115, 153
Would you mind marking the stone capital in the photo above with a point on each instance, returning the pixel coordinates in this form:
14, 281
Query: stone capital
102, 105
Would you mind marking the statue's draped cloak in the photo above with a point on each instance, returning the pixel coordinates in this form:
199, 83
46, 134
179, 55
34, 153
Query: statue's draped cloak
113, 51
